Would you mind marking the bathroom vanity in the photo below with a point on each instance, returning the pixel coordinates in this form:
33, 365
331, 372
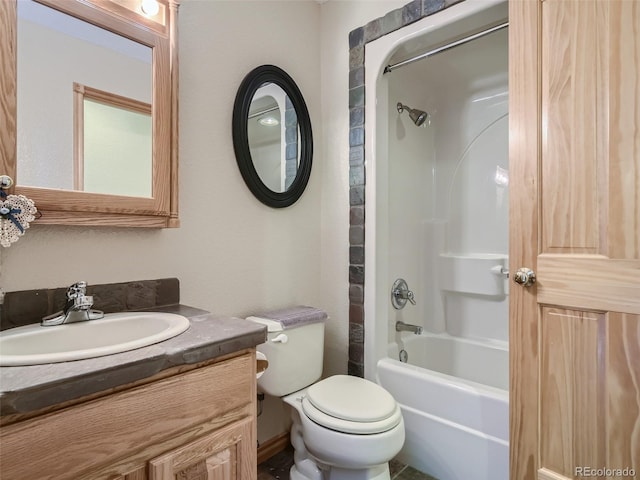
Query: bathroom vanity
184, 408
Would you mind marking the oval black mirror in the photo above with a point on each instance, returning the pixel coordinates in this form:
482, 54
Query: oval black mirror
272, 136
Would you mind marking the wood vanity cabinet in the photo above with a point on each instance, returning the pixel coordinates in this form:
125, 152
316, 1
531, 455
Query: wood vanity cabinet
219, 455
189, 423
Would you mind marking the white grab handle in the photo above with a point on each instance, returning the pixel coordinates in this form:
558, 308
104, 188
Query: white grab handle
500, 270
282, 338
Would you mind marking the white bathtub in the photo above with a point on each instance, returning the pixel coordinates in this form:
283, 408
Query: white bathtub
456, 427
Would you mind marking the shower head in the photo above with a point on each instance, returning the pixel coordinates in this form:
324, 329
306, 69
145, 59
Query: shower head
417, 116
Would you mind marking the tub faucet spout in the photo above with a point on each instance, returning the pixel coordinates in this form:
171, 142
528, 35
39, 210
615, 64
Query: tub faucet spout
406, 327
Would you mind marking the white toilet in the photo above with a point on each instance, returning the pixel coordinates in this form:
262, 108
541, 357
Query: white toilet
343, 427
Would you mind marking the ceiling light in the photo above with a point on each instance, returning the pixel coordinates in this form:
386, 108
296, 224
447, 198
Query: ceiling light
269, 121
150, 7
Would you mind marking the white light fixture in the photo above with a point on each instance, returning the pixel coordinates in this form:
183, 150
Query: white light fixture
269, 121
150, 7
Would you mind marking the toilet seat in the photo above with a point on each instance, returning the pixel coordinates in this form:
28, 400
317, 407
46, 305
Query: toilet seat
351, 405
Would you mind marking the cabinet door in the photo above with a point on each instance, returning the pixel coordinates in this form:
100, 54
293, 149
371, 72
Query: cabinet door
575, 219
226, 454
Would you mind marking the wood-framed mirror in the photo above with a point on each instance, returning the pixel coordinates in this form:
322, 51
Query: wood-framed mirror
272, 136
51, 54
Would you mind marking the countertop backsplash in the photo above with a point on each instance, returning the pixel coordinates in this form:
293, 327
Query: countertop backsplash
29, 306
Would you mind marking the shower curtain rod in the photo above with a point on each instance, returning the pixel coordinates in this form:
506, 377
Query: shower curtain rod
462, 41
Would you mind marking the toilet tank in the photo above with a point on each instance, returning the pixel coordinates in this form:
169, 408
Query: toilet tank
294, 353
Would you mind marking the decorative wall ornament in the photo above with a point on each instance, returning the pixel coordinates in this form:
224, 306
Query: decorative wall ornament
16, 212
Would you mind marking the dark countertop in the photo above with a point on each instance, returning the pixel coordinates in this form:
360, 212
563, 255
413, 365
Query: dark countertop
31, 388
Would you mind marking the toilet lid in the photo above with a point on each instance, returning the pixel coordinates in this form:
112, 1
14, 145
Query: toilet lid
351, 404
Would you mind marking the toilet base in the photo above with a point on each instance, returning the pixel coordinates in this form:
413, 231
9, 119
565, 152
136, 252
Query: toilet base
379, 472
328, 465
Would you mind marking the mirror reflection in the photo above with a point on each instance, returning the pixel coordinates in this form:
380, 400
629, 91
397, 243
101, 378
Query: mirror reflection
108, 141
273, 134
112, 135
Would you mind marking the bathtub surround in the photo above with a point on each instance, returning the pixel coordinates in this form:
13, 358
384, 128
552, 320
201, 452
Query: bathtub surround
436, 216
358, 38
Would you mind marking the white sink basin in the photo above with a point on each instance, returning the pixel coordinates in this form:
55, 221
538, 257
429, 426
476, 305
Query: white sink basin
115, 333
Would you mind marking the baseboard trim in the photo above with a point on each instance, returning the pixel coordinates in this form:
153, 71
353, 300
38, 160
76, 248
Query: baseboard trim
272, 446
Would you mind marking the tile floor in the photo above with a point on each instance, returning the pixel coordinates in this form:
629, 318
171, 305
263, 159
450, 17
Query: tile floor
277, 467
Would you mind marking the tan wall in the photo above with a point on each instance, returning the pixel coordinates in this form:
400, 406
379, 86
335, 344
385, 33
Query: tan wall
338, 18
232, 254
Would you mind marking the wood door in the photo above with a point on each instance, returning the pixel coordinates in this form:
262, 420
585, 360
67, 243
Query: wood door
574, 85
226, 454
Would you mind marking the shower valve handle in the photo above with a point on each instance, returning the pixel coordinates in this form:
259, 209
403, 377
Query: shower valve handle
400, 294
405, 295
408, 296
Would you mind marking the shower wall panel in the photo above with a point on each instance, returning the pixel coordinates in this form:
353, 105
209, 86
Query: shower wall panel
448, 190
411, 201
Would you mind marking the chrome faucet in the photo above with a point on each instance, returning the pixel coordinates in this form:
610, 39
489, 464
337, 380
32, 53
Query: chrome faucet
77, 309
400, 294
406, 327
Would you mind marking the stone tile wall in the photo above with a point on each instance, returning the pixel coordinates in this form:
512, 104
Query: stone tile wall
358, 39
291, 143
